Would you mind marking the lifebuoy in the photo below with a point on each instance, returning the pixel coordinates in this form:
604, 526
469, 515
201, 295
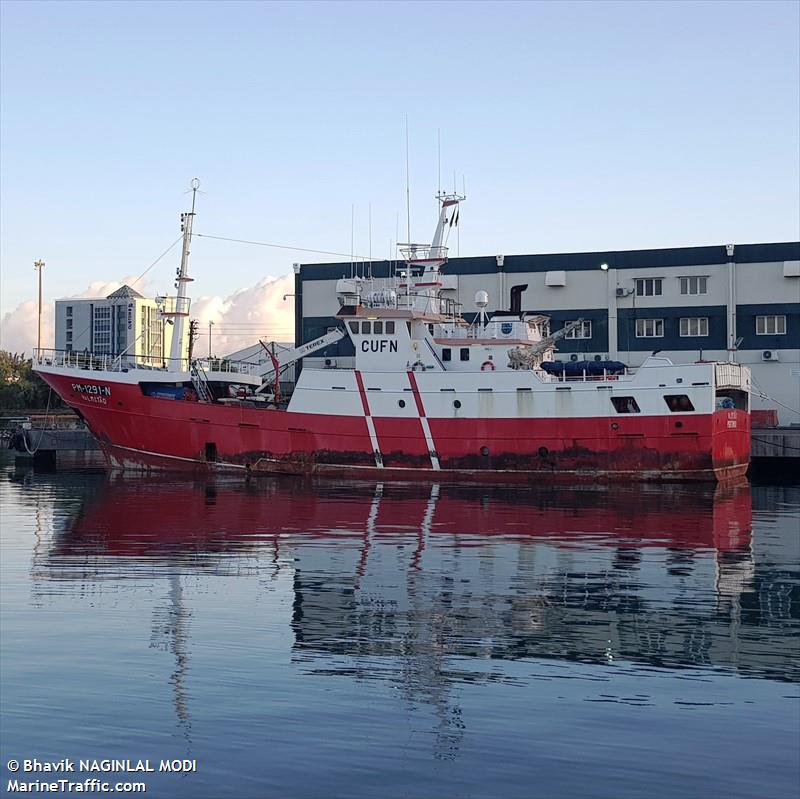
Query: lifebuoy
487, 366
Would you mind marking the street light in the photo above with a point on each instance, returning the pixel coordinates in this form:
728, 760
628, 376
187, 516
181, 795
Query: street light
39, 265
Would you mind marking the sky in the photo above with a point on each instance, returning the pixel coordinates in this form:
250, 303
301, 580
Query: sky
572, 127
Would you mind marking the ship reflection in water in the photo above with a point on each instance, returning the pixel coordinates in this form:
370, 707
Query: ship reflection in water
458, 624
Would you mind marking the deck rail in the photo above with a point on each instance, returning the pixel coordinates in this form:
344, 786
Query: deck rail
108, 362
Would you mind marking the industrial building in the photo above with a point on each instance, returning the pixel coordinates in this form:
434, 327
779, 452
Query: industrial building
123, 323
720, 302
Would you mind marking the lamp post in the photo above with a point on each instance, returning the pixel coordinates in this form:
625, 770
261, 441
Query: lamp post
210, 325
39, 265
611, 302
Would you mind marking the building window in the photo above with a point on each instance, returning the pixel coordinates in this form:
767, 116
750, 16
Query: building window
69, 335
678, 403
366, 327
625, 404
649, 286
101, 341
447, 354
353, 327
649, 328
69, 312
69, 347
69, 324
694, 285
378, 328
691, 326
583, 330
771, 325
465, 353
390, 328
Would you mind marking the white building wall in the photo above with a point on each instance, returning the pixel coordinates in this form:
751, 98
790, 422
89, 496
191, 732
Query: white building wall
134, 344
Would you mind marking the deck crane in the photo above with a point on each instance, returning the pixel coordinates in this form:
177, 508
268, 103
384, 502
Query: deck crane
280, 359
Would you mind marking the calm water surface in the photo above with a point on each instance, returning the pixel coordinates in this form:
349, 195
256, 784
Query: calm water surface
343, 640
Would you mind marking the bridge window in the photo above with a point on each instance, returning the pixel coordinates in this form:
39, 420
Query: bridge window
353, 327
465, 353
377, 327
625, 405
447, 354
678, 402
390, 328
366, 327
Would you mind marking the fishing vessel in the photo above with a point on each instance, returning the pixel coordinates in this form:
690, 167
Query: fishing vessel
432, 395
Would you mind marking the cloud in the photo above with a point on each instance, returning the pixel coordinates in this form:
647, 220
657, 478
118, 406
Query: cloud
247, 315
239, 320
18, 329
101, 289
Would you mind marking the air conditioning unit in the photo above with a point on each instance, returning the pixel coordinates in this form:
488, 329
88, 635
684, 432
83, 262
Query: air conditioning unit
330, 363
769, 355
621, 292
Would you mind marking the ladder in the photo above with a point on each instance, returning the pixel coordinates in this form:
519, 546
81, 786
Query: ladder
200, 383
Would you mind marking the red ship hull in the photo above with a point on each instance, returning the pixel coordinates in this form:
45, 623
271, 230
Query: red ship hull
148, 433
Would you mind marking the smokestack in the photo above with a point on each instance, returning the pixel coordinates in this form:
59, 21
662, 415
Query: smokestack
516, 299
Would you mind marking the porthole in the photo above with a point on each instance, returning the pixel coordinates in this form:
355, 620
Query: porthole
614, 426
456, 404
484, 451
678, 424
543, 452
401, 403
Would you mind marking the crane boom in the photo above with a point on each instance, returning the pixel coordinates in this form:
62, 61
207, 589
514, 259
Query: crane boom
283, 358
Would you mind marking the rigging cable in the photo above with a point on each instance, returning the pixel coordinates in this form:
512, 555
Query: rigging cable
759, 392
156, 261
280, 246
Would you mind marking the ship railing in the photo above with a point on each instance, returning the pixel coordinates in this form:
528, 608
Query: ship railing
104, 361
413, 253
227, 366
584, 377
107, 362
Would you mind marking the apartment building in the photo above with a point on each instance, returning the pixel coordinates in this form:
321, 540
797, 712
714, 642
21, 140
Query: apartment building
123, 323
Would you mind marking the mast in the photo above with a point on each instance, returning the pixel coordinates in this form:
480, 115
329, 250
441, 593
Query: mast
181, 310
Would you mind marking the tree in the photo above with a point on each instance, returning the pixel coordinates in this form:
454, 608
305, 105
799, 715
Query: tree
20, 386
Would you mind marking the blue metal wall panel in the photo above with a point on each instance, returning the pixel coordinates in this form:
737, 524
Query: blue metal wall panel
746, 326
583, 261
672, 339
